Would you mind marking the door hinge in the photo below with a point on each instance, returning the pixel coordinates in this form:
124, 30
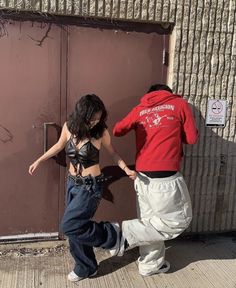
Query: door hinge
165, 57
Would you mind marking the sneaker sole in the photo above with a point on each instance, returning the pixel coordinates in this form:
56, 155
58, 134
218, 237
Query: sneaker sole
82, 278
162, 270
94, 274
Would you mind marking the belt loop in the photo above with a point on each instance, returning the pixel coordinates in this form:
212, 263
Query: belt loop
89, 180
93, 179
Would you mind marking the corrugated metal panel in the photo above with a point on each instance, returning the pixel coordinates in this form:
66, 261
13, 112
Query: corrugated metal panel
204, 67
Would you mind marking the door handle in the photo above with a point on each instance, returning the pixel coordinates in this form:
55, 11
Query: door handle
60, 158
45, 134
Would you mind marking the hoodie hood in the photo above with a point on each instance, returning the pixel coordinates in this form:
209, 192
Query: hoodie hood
157, 98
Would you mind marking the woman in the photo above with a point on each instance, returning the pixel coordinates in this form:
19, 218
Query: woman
82, 137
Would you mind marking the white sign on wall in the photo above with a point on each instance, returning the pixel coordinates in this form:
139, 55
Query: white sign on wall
216, 113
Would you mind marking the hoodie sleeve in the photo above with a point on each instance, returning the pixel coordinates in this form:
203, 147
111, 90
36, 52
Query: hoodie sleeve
125, 125
189, 132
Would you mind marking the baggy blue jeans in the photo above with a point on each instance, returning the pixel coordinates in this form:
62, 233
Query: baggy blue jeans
83, 233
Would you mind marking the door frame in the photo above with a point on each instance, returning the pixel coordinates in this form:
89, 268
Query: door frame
64, 44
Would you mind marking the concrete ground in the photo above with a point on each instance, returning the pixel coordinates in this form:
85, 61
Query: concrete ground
207, 262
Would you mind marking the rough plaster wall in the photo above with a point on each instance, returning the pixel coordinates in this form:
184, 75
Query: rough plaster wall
204, 65
204, 68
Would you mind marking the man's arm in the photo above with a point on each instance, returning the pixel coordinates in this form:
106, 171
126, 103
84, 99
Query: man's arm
190, 132
125, 125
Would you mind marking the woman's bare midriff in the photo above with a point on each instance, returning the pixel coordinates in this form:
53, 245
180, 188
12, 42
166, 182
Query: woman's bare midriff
93, 170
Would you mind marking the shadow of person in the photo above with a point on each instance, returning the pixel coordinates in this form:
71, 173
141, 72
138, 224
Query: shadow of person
182, 252
113, 173
113, 264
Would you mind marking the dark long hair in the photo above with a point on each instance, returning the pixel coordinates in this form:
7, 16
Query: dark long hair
79, 121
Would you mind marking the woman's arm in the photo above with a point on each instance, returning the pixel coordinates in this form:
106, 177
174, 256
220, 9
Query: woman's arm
106, 142
55, 149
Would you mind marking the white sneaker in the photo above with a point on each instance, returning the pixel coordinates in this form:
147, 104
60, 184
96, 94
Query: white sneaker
74, 278
115, 250
164, 268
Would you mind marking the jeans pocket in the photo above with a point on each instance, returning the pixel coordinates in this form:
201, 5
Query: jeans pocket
95, 194
98, 190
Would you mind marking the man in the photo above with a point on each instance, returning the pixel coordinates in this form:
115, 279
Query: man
162, 122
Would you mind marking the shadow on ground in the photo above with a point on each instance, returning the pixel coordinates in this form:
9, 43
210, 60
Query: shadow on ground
180, 252
113, 264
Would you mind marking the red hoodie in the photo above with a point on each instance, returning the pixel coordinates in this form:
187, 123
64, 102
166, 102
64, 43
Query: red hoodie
162, 122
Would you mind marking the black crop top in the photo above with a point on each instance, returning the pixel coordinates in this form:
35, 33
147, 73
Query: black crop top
87, 155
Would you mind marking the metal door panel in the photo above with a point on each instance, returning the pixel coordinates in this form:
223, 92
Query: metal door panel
30, 96
119, 67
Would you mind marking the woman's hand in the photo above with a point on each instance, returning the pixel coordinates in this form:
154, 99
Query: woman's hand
33, 167
55, 149
131, 173
106, 142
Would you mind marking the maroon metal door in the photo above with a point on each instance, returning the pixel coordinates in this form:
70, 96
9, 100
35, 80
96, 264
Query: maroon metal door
119, 67
30, 96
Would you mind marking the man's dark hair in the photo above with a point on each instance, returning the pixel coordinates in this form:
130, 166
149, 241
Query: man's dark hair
157, 87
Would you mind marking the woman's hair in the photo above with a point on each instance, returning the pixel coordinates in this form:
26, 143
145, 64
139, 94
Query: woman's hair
79, 121
157, 87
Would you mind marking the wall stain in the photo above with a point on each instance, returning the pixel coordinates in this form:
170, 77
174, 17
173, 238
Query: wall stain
5, 135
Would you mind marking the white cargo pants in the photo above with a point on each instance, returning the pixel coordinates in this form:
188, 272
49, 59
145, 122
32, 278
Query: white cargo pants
164, 211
